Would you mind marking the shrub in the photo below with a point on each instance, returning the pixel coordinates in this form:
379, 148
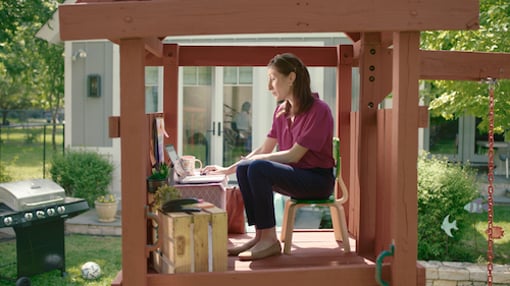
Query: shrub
444, 188
83, 174
4, 176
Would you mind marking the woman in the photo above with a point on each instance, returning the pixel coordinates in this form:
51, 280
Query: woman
301, 168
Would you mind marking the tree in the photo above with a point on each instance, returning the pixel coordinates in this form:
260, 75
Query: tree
31, 70
451, 99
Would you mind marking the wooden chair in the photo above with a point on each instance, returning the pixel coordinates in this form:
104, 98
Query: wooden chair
335, 204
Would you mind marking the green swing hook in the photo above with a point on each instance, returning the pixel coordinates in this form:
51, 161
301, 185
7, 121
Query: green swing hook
378, 265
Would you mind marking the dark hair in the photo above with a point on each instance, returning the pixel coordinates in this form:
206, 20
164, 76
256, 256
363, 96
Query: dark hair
246, 106
287, 63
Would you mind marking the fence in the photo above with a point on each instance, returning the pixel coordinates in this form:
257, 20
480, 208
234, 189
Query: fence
26, 149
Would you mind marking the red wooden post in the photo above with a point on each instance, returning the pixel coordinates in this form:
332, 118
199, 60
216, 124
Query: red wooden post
134, 150
343, 109
404, 154
170, 92
370, 86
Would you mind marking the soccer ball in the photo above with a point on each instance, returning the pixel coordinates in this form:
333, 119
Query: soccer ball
90, 270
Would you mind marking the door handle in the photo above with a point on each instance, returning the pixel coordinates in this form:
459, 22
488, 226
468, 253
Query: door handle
213, 129
219, 128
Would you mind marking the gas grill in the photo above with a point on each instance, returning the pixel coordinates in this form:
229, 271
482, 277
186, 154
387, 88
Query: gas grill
36, 210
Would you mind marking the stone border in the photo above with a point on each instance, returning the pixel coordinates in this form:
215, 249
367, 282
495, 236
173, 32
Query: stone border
439, 273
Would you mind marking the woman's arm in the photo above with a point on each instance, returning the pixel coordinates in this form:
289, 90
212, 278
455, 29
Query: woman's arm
291, 155
266, 147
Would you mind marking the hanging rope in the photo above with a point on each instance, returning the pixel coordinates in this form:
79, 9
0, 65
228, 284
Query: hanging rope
490, 190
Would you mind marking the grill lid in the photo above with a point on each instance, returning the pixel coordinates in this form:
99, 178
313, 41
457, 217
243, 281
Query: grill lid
28, 194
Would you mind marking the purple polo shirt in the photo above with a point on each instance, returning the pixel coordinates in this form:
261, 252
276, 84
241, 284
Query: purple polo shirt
312, 129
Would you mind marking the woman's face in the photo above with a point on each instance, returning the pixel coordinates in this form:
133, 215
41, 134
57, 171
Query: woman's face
280, 85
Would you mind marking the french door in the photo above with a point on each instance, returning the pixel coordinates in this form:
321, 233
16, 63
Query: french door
212, 103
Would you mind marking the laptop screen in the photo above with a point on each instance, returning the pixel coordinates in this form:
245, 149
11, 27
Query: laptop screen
170, 149
182, 178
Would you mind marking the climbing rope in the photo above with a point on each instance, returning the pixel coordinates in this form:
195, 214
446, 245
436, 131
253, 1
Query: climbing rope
490, 190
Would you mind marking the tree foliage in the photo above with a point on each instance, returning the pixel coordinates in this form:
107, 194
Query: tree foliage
452, 99
28, 64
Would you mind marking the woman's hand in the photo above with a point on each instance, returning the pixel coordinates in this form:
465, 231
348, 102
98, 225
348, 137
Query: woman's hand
213, 170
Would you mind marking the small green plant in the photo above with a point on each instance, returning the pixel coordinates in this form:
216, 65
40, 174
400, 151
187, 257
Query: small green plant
32, 135
165, 193
4, 176
159, 172
110, 198
82, 174
444, 188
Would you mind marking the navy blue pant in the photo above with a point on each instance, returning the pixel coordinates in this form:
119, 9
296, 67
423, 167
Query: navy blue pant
259, 178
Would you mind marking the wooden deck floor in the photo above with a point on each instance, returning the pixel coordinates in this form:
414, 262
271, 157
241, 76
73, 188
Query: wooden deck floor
315, 256
309, 249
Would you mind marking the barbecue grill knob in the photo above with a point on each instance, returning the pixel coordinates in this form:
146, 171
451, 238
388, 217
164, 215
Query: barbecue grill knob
8, 220
61, 209
50, 211
29, 216
39, 214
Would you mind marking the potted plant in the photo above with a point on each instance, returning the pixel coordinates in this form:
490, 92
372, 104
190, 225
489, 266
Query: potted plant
106, 208
158, 177
165, 193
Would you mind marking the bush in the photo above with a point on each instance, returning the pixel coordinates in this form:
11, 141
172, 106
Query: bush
444, 188
83, 174
4, 176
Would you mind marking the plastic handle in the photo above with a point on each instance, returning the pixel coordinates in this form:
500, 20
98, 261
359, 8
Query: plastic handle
378, 265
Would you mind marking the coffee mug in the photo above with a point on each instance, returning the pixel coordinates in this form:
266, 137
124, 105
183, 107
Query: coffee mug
189, 163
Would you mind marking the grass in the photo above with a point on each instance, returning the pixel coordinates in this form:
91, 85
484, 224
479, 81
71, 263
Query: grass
104, 250
474, 245
22, 151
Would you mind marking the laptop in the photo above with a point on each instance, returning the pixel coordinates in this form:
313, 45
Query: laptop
182, 178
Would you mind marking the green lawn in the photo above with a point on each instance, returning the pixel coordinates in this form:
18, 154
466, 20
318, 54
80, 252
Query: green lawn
104, 250
22, 151
475, 243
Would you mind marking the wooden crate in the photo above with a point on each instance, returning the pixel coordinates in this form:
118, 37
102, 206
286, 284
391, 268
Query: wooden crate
192, 242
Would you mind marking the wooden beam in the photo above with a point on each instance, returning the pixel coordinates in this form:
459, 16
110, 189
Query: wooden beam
452, 65
343, 109
354, 36
154, 45
140, 19
171, 93
248, 55
371, 85
134, 153
114, 126
404, 155
352, 275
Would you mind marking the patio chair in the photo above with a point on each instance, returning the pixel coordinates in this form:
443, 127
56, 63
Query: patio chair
335, 204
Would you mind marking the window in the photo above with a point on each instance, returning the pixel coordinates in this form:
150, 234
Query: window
237, 75
151, 89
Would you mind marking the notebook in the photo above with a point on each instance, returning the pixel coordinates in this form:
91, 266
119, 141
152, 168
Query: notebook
181, 177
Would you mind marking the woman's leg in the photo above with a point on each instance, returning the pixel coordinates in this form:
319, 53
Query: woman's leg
256, 180
242, 179
265, 235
